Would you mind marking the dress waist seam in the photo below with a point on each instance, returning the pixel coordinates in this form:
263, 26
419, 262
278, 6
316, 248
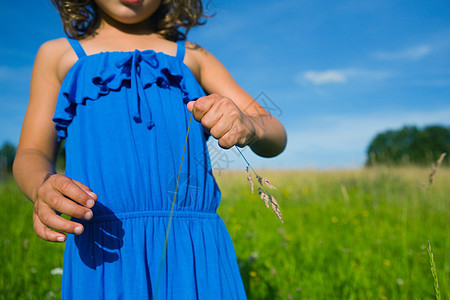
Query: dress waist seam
153, 214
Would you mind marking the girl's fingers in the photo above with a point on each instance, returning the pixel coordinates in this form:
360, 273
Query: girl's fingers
57, 202
221, 127
202, 106
190, 105
217, 108
239, 135
70, 189
224, 120
211, 118
46, 233
49, 218
87, 189
228, 140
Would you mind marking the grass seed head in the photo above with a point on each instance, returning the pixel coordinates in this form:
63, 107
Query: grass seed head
249, 178
267, 183
276, 208
263, 196
434, 169
268, 199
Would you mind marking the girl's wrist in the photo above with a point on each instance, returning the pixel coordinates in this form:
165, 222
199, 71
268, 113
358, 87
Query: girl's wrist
258, 133
43, 179
270, 136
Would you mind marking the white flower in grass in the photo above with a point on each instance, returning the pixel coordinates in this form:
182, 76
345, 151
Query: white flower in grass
56, 271
253, 256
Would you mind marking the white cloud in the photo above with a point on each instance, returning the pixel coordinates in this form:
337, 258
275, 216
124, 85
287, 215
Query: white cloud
411, 53
341, 76
329, 76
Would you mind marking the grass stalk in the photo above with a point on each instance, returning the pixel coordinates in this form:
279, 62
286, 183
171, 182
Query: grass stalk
434, 272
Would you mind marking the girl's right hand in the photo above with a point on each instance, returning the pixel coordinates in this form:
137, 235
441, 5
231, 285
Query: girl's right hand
59, 194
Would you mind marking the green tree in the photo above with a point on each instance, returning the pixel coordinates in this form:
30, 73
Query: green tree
409, 145
7, 154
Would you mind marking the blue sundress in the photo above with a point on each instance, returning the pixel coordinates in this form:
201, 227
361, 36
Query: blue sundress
124, 119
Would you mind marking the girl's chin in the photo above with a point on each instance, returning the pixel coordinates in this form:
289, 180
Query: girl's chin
128, 11
130, 1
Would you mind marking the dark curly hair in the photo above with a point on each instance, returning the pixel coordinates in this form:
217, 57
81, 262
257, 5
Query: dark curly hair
80, 17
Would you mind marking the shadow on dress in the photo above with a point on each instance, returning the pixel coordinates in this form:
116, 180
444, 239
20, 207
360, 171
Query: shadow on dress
101, 240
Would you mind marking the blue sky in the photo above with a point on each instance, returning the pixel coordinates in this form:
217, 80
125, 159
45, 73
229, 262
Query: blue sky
336, 73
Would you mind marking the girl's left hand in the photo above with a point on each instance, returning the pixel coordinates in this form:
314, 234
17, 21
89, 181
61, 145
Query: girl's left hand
224, 120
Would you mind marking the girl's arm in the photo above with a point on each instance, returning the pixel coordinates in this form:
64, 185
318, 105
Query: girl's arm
231, 114
34, 164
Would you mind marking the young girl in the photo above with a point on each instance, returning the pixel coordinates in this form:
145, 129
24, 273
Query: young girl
121, 92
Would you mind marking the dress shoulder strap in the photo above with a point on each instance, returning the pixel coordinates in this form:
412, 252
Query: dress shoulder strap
181, 49
77, 47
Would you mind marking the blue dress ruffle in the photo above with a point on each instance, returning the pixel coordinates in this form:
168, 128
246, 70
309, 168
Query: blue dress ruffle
124, 119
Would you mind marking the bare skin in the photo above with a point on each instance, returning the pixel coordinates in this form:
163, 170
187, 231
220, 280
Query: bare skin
231, 115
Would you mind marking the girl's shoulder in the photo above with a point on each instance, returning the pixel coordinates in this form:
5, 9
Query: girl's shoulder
59, 56
193, 58
199, 60
208, 70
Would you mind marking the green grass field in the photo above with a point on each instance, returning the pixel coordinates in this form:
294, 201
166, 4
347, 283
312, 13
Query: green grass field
347, 235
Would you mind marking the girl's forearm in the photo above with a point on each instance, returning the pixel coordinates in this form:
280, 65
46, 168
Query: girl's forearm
271, 136
30, 169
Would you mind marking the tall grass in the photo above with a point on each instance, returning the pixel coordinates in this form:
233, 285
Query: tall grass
434, 273
358, 234
346, 234
26, 262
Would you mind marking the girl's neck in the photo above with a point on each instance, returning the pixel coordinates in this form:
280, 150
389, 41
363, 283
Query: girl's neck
108, 24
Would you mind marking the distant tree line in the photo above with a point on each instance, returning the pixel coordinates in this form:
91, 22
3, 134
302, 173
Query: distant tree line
409, 145
8, 152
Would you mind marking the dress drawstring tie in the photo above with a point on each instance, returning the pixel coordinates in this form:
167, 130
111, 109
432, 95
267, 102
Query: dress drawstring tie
131, 66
